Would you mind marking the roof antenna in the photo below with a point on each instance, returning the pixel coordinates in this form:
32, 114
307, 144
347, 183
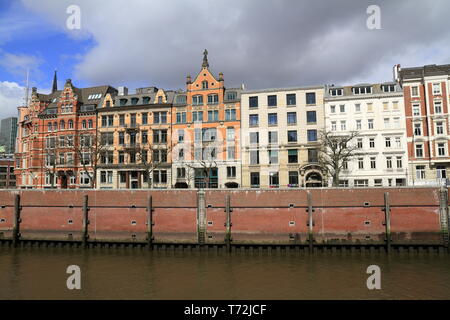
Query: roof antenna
27, 89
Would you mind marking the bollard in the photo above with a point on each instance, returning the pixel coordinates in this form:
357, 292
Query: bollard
150, 223
17, 221
85, 235
387, 221
310, 223
228, 223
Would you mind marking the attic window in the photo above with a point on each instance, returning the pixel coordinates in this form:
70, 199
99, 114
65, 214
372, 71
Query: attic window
362, 90
134, 100
205, 84
231, 95
146, 100
335, 92
94, 96
123, 102
388, 88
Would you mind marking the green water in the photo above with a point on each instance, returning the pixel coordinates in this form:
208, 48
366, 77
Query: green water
40, 273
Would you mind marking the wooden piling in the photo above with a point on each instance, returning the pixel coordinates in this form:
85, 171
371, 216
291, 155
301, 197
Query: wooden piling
17, 220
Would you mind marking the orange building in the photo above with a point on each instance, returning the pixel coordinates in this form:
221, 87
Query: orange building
56, 136
206, 132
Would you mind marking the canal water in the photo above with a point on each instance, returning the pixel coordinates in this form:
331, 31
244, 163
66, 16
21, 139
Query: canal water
40, 273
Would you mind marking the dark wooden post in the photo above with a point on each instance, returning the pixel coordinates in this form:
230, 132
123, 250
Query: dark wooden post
228, 223
444, 216
85, 235
201, 217
387, 221
310, 223
150, 223
17, 220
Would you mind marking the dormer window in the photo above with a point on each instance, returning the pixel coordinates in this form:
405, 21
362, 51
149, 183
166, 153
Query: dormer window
205, 84
336, 92
94, 96
388, 87
145, 100
231, 95
134, 101
123, 102
362, 90
181, 99
160, 99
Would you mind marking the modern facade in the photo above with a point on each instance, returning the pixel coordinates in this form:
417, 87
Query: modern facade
376, 114
57, 138
206, 133
8, 134
426, 95
280, 130
135, 131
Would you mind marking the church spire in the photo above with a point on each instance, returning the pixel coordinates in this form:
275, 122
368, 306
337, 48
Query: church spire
55, 83
205, 63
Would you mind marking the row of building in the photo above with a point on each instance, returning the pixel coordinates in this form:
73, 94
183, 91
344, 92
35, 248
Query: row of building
209, 135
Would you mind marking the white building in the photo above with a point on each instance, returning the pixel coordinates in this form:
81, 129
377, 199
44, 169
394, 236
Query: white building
376, 111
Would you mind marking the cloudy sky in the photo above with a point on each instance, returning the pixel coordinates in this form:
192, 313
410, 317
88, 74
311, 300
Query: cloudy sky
261, 43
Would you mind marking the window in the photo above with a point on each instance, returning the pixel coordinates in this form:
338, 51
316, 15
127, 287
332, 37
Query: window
181, 172
420, 172
230, 114
62, 125
121, 120
343, 183
344, 165
437, 106
213, 115
90, 124
107, 138
436, 88
389, 162
291, 117
197, 116
272, 118
336, 92
292, 156
49, 126
254, 179
254, 157
417, 129
144, 118
180, 99
231, 172
272, 101
414, 91
159, 136
441, 172
360, 143
385, 106
399, 162
311, 117
144, 136
362, 90
373, 163
313, 156
343, 125
84, 178
231, 95
396, 122
416, 109
273, 137
274, 180
388, 88
254, 138
181, 117
312, 135
291, 99
370, 107
213, 99
204, 84
387, 124
398, 142
439, 127
121, 138
231, 153
121, 157
360, 163
419, 151
180, 135
230, 134
83, 124
253, 102
293, 179
332, 109
358, 124
310, 98
387, 142
357, 107
292, 135
273, 156
441, 149
197, 100
361, 183
395, 105
160, 117
342, 108
181, 154
333, 126
378, 182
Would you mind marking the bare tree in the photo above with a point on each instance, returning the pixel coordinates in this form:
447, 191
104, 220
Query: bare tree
335, 150
89, 150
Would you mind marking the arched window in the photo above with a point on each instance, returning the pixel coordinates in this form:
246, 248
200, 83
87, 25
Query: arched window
197, 100
62, 125
70, 124
49, 126
89, 123
55, 126
205, 84
83, 124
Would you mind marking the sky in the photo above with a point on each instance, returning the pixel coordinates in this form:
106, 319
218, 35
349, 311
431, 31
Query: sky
258, 43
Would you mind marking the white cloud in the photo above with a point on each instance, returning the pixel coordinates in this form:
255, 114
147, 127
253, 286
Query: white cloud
11, 96
270, 44
18, 64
